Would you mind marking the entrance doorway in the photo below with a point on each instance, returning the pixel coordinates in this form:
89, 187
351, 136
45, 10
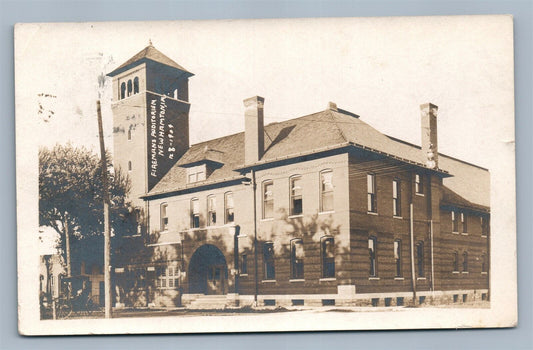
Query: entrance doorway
208, 271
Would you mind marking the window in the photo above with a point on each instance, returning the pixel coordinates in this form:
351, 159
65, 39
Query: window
164, 217
465, 262
268, 200
372, 247
483, 263
297, 259
129, 134
296, 196
122, 90
419, 184
195, 213
268, 261
130, 88
167, 277
484, 226
396, 200
328, 257
326, 191
398, 257
372, 197
136, 85
420, 258
195, 175
455, 226
129, 165
229, 216
463, 223
211, 210
244, 264
455, 262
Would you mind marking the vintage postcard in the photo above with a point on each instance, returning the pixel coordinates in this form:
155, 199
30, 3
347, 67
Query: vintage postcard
265, 175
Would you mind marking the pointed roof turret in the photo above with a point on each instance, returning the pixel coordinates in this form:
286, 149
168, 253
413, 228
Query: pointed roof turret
149, 53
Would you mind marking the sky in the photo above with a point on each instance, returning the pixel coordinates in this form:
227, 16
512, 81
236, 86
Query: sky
379, 68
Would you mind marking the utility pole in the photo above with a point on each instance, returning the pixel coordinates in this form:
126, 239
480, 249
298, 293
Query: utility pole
256, 267
412, 234
107, 234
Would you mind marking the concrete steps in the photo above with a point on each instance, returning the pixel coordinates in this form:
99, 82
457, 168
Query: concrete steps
209, 302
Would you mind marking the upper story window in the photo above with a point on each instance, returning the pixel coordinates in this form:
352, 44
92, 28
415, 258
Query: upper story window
455, 225
455, 262
419, 184
372, 254
195, 213
164, 217
129, 134
398, 257
484, 221
229, 216
268, 200
296, 204
122, 90
136, 85
268, 261
129, 165
420, 258
326, 191
130, 88
327, 247
464, 226
372, 195
297, 259
195, 174
396, 198
211, 210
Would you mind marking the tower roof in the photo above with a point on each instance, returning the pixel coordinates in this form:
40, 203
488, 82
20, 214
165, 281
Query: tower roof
149, 53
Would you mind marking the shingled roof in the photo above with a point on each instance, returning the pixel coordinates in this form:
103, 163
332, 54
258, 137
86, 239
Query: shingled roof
324, 130
148, 53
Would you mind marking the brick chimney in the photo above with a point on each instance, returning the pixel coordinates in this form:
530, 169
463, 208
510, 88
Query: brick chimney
254, 129
430, 147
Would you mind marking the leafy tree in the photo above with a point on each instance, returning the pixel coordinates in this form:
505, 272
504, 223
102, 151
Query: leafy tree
71, 202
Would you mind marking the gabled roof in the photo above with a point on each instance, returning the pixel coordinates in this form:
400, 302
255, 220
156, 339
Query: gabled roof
452, 199
148, 53
310, 134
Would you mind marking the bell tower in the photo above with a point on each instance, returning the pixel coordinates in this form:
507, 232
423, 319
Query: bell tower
150, 118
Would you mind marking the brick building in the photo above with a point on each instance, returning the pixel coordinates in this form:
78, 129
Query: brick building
317, 210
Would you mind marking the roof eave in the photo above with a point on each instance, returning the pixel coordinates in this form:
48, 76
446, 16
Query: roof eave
438, 171
122, 69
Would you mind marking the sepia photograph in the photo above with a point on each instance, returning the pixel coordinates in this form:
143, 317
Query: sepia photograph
265, 175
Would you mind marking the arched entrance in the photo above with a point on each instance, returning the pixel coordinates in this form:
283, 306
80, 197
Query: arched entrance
208, 271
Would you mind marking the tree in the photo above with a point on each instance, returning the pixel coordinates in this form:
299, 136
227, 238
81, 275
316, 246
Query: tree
71, 202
